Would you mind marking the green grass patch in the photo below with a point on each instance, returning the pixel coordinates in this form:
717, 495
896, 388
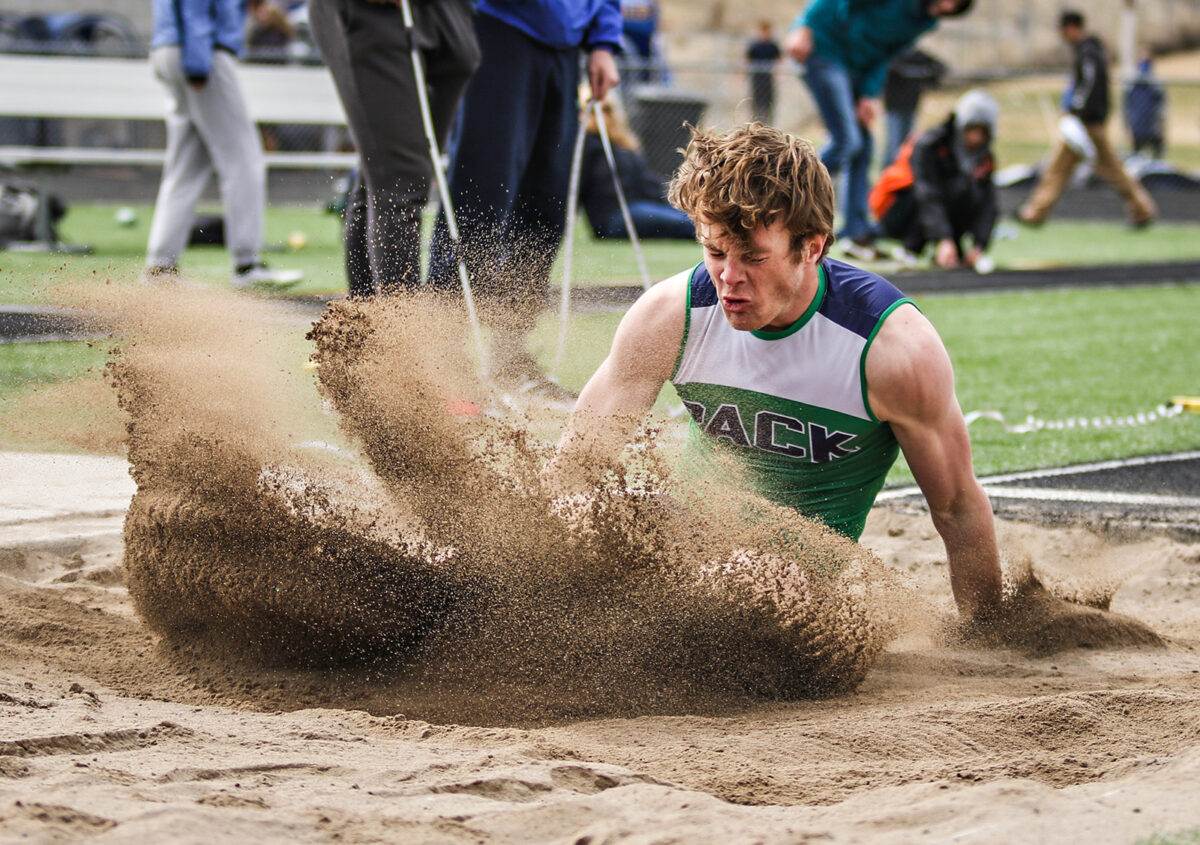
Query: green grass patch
1187, 837
1055, 355
1066, 243
1100, 352
26, 366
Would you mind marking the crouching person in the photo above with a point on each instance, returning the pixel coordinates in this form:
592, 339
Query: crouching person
939, 190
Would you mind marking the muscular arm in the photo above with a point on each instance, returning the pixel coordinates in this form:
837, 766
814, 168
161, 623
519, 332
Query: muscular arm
620, 393
911, 385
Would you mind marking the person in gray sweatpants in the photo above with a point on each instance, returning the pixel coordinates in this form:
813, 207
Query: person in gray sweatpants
367, 48
194, 51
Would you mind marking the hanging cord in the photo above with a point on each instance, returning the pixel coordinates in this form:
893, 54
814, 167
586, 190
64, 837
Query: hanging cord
439, 173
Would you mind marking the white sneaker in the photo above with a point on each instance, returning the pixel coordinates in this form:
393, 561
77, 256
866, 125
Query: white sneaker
261, 277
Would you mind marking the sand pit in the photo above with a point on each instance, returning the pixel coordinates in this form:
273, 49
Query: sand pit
447, 567
551, 698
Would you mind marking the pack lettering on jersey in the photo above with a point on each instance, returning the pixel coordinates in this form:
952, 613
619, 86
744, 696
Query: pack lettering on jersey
793, 403
778, 434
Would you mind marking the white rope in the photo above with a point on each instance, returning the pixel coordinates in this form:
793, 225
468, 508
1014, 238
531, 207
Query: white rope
1031, 423
616, 180
564, 311
435, 157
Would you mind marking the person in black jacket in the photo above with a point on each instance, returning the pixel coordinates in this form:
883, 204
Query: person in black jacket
909, 75
645, 192
942, 190
1087, 104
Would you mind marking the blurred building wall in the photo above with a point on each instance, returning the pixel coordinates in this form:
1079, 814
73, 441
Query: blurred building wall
1024, 33
136, 11
994, 36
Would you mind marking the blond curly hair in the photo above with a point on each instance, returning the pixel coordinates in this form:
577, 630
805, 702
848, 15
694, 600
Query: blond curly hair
754, 176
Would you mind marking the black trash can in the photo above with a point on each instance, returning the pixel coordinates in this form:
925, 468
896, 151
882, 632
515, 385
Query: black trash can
657, 115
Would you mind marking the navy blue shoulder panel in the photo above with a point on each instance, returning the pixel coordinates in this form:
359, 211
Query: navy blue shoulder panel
855, 299
703, 291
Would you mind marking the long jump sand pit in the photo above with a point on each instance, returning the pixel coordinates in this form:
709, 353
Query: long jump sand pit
409, 640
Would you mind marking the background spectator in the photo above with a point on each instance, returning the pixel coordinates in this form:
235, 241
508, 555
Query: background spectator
939, 189
512, 160
193, 53
1145, 110
845, 49
645, 192
762, 54
1088, 105
366, 46
909, 75
639, 27
270, 33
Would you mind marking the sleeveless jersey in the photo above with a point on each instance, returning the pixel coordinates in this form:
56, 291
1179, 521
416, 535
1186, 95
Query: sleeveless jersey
792, 405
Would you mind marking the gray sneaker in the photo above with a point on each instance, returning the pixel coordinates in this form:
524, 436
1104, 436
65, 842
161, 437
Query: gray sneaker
260, 277
167, 276
519, 376
160, 274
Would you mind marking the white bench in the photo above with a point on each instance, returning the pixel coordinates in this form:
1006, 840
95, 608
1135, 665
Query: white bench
125, 89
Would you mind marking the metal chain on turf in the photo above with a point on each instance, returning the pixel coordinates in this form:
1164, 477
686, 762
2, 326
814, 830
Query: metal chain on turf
1168, 410
1032, 424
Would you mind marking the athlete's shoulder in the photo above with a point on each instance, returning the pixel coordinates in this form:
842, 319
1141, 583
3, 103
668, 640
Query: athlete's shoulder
649, 334
671, 289
856, 298
664, 304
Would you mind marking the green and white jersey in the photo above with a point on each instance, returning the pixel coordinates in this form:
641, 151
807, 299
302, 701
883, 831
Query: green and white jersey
792, 405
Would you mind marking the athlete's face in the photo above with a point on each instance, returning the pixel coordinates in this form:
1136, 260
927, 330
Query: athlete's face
762, 285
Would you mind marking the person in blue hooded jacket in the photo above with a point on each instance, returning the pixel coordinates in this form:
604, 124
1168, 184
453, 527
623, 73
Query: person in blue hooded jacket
845, 47
511, 161
193, 51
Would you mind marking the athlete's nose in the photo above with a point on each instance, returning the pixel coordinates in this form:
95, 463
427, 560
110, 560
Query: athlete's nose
732, 272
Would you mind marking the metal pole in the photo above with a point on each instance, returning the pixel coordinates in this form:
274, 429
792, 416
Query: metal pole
626, 216
435, 157
1128, 42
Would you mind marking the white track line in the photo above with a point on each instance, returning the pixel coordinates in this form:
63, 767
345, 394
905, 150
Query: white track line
993, 484
1103, 497
1096, 467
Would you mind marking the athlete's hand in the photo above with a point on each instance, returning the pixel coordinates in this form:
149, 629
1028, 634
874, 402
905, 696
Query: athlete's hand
867, 110
602, 73
798, 44
973, 255
1037, 623
947, 253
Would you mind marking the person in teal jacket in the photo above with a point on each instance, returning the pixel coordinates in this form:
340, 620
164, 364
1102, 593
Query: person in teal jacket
845, 47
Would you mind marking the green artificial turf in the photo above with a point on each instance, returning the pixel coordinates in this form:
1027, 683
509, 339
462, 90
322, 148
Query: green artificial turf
1063, 354
1056, 355
24, 366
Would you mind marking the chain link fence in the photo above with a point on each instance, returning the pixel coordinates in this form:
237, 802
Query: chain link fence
1156, 118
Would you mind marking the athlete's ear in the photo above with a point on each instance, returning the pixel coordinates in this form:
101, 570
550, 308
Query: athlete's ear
814, 247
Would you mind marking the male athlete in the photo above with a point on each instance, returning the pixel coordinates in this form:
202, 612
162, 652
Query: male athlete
811, 372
